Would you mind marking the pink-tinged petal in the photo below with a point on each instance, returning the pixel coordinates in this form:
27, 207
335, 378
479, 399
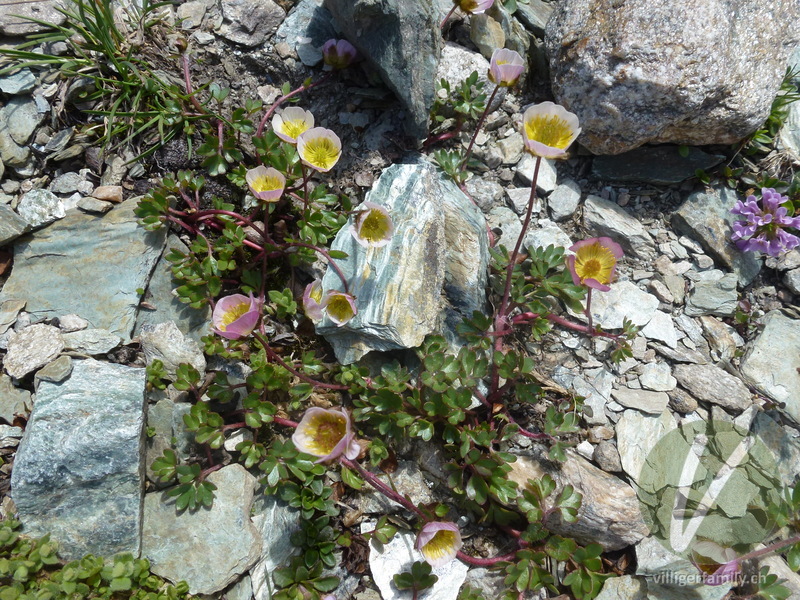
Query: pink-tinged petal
265, 183
594, 284
291, 122
317, 433
373, 226
312, 300
439, 542
571, 266
338, 54
548, 129
235, 316
506, 67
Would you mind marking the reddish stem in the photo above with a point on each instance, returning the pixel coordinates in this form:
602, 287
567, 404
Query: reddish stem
291, 94
327, 257
447, 17
302, 376
478, 128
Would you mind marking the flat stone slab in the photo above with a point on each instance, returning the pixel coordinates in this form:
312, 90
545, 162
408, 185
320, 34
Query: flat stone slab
193, 322
210, 547
88, 265
771, 363
78, 471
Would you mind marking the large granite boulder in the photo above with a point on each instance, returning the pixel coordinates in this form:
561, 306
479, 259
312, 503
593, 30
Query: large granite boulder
637, 71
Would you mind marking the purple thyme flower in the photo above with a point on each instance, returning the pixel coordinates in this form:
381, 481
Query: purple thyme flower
763, 230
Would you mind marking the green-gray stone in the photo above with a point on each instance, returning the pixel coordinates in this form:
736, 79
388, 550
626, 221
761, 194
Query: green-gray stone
87, 265
78, 471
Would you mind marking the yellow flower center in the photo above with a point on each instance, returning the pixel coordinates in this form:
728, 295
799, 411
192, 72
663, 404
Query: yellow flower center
595, 262
293, 128
325, 430
266, 183
321, 152
374, 227
316, 293
230, 315
468, 5
339, 308
441, 545
550, 130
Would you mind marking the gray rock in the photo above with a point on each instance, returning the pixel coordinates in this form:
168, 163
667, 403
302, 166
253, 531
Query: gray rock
595, 386
457, 63
391, 37
305, 29
534, 15
564, 200
69, 323
166, 343
439, 245
250, 22
92, 341
778, 566
10, 436
31, 348
21, 82
609, 514
21, 116
545, 181
77, 473
11, 225
112, 249
661, 165
637, 434
276, 522
714, 296
625, 300
789, 134
66, 183
11, 153
662, 328
792, 280
635, 73
607, 457
518, 199
720, 338
388, 560
93, 205
17, 19
781, 441
54, 372
605, 218
670, 577
652, 403
13, 401
484, 193
657, 377
711, 384
40, 207
546, 233
706, 217
623, 588
408, 478
486, 33
191, 14
517, 38
511, 148
777, 379
208, 548
682, 402
192, 322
